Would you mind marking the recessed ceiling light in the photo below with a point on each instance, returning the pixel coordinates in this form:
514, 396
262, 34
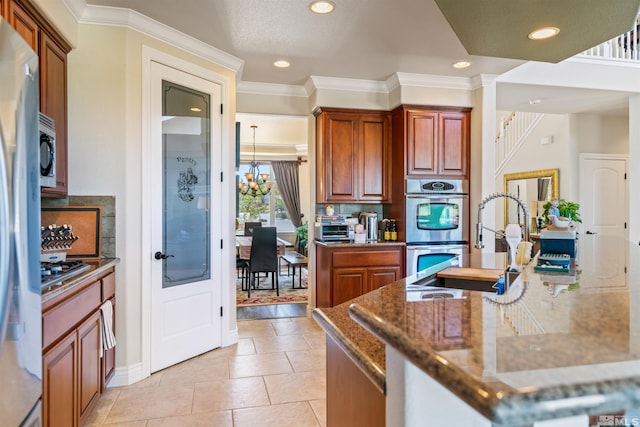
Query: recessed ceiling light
322, 6
535, 101
281, 63
543, 33
461, 64
195, 109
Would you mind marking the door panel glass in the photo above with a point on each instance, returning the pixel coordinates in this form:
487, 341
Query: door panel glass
186, 188
438, 216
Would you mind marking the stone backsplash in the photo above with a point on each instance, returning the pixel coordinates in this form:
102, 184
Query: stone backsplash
108, 229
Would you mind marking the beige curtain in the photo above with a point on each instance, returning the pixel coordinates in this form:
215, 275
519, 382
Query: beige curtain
287, 177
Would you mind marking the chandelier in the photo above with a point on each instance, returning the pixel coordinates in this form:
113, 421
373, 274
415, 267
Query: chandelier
256, 182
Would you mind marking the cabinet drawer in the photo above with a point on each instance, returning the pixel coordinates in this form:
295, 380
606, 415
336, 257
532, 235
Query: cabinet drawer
108, 286
357, 258
62, 318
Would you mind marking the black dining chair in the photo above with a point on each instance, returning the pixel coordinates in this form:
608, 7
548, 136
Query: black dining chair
249, 226
263, 258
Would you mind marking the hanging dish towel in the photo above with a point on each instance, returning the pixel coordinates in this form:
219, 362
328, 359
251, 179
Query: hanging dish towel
107, 337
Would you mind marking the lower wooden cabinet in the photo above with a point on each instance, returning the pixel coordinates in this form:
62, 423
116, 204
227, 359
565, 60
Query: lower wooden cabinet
74, 367
59, 383
89, 364
352, 399
343, 273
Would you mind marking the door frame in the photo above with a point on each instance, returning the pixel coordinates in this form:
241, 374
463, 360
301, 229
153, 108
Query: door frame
226, 221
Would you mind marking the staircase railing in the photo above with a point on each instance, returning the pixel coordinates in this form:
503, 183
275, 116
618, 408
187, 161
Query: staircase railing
512, 133
624, 47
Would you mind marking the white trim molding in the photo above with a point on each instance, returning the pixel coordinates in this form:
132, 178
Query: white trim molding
120, 17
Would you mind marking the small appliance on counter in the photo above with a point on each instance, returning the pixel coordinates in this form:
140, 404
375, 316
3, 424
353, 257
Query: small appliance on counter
334, 231
370, 222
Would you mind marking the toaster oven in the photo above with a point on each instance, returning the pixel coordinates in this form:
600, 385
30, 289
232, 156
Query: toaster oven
334, 232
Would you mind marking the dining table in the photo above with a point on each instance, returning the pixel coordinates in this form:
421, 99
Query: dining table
243, 245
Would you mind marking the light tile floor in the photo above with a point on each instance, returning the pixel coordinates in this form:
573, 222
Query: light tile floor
275, 376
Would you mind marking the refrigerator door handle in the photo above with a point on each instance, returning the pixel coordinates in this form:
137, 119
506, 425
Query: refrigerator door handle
5, 237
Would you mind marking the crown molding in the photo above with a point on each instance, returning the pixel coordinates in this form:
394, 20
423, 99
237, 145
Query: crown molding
432, 81
352, 85
483, 80
120, 17
257, 88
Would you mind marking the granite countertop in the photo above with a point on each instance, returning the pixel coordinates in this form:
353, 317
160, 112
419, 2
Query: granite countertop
96, 268
365, 349
357, 245
555, 345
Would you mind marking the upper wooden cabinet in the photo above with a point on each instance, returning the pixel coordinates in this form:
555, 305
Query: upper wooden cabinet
52, 51
353, 155
437, 141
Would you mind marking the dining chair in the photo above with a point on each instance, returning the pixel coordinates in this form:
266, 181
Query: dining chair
263, 258
249, 226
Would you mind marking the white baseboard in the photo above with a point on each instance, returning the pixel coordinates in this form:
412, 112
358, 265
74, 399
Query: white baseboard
126, 375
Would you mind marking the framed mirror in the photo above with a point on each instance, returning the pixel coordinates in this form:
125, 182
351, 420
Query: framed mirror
534, 188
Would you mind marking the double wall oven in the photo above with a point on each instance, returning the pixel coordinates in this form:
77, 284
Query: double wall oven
437, 221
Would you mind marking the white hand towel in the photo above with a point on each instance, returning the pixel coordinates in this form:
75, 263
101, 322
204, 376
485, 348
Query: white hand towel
107, 336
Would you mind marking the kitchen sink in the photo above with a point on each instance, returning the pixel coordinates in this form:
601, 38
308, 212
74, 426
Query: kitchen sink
477, 279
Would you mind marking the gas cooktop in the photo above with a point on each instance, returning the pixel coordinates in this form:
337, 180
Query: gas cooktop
55, 272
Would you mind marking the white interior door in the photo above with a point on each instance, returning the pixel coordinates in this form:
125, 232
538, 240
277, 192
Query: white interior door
603, 209
185, 156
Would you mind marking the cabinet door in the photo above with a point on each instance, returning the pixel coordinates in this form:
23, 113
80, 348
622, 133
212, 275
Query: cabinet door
421, 140
347, 284
380, 276
109, 357
53, 103
24, 25
454, 144
374, 140
89, 364
339, 151
59, 392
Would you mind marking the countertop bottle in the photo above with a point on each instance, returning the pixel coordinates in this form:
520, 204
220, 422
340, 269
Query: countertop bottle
393, 230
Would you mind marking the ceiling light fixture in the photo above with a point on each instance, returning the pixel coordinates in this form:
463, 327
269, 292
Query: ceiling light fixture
535, 101
256, 182
281, 63
461, 64
544, 33
195, 109
322, 6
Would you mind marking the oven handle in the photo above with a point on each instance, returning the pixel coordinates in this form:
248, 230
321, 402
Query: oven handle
442, 247
438, 196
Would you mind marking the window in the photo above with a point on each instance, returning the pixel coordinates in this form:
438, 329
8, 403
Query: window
269, 209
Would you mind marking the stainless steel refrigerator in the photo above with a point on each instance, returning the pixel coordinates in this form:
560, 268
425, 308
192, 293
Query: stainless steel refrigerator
20, 298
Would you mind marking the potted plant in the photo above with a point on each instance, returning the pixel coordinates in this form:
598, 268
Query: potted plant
562, 209
302, 235
329, 209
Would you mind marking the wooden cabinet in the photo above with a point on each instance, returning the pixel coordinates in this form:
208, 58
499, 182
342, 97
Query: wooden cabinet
73, 364
52, 50
60, 383
353, 155
443, 322
343, 273
437, 141
352, 399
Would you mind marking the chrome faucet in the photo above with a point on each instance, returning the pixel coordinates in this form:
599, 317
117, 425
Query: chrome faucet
480, 227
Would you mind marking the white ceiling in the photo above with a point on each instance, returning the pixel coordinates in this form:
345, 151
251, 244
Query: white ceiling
373, 39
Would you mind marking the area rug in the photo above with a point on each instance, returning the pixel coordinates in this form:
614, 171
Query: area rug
268, 296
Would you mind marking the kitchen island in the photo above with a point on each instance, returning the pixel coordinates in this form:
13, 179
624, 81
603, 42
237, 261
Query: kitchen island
556, 348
